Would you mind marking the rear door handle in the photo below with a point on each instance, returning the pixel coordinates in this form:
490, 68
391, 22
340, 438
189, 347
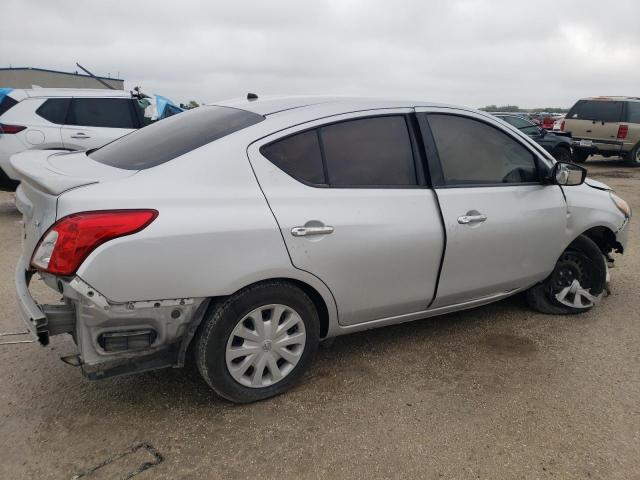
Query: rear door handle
80, 135
307, 231
466, 219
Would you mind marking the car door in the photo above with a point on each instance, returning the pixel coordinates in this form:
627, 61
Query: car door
504, 225
353, 208
93, 122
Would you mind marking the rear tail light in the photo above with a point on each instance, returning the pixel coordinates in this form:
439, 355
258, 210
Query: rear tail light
11, 129
70, 240
562, 126
622, 131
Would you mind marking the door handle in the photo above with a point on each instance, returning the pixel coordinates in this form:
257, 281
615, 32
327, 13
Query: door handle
80, 135
466, 219
306, 231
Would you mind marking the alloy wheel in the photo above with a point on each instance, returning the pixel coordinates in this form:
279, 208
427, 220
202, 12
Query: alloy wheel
571, 282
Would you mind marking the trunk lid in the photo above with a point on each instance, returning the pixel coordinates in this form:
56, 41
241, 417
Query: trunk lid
47, 174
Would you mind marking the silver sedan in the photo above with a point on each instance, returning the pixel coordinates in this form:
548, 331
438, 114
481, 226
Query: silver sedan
249, 231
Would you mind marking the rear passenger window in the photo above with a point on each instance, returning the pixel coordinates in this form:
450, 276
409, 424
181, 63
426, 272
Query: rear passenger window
598, 110
633, 112
369, 152
298, 155
102, 112
54, 110
472, 152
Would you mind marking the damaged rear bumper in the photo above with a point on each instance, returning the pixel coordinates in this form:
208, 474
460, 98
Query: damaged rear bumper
112, 338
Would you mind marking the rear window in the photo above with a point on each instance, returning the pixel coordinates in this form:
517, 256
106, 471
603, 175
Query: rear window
633, 112
6, 103
54, 110
598, 110
165, 140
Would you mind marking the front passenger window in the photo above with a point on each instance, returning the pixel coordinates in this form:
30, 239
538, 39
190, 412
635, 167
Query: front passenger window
474, 153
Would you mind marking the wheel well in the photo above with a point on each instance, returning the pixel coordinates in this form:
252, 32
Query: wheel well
605, 239
318, 302
312, 293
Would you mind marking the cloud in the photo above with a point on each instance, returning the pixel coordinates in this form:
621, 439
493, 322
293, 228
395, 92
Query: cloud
543, 53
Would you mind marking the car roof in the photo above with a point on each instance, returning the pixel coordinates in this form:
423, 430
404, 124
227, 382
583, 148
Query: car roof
70, 92
613, 98
270, 105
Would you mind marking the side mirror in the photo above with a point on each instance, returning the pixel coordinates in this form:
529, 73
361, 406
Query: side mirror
568, 174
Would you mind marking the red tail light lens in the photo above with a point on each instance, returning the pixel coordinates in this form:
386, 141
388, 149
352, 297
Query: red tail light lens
562, 126
11, 129
623, 130
70, 240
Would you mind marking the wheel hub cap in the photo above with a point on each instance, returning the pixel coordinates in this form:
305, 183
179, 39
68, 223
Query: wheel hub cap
265, 346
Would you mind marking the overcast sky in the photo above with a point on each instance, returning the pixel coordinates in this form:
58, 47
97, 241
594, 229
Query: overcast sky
529, 53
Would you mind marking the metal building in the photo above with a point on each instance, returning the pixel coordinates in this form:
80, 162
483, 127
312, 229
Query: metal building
26, 77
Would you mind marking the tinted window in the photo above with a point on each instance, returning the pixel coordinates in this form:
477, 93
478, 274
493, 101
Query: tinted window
6, 103
163, 141
604, 111
298, 155
101, 112
472, 152
633, 112
54, 110
369, 152
521, 124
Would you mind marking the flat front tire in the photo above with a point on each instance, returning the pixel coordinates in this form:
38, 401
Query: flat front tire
576, 284
259, 342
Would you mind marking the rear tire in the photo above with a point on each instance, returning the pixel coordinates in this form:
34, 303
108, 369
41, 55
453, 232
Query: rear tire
559, 294
580, 157
259, 342
563, 155
633, 157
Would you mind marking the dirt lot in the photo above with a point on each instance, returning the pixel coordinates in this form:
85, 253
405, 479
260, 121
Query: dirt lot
496, 392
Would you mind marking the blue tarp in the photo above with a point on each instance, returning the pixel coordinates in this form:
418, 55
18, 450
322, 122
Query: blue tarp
4, 92
165, 107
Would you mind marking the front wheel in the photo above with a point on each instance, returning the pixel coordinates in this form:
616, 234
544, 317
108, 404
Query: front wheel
259, 342
576, 284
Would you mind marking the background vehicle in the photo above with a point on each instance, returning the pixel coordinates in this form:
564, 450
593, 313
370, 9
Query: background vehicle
556, 144
267, 225
607, 126
70, 119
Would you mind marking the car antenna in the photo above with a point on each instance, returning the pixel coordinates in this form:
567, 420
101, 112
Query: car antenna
94, 77
252, 96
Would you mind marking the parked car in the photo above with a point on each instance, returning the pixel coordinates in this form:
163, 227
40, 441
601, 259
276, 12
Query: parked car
70, 119
607, 126
556, 143
250, 230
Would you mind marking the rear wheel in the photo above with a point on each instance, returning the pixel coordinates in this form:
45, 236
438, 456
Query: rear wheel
633, 157
580, 157
576, 284
259, 342
562, 155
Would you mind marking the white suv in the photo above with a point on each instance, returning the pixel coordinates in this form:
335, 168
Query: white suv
67, 119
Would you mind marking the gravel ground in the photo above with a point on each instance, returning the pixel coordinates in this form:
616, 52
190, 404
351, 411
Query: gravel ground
495, 392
